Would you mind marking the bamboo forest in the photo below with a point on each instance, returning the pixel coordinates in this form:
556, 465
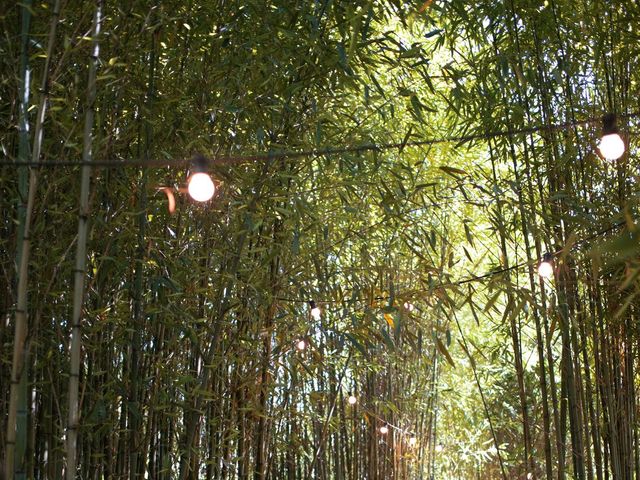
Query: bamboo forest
321, 239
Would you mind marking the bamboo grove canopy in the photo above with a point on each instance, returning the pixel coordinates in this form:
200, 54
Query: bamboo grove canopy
360, 297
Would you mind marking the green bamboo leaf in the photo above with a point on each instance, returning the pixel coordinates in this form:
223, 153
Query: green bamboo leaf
454, 172
388, 341
356, 344
416, 108
445, 353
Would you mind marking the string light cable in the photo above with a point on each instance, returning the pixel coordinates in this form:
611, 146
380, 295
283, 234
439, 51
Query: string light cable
329, 151
477, 278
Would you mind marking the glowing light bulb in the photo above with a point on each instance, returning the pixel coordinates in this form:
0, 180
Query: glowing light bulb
384, 430
301, 344
545, 269
315, 310
413, 441
201, 187
352, 400
439, 448
611, 145
409, 307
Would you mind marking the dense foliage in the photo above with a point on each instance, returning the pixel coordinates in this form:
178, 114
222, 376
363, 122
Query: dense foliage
449, 146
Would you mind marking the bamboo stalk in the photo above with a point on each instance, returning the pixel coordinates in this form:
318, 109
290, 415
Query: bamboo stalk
25, 207
484, 402
73, 420
551, 153
18, 408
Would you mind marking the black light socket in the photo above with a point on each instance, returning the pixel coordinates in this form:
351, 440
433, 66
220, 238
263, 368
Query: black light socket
199, 164
609, 125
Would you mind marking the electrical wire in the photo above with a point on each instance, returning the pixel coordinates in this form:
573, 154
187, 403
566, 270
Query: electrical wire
474, 278
315, 152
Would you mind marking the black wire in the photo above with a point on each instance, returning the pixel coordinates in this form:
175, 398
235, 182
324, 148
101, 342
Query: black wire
230, 159
479, 277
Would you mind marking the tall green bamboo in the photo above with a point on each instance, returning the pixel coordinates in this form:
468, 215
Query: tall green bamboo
80, 273
18, 376
18, 402
135, 446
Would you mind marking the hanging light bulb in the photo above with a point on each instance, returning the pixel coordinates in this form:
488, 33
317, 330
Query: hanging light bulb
315, 310
384, 429
352, 399
409, 307
201, 187
413, 441
301, 344
611, 145
439, 448
545, 269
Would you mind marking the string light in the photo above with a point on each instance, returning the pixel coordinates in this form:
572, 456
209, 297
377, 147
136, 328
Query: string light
545, 269
201, 187
409, 307
489, 274
384, 429
439, 448
413, 441
352, 399
301, 344
315, 310
337, 150
611, 145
